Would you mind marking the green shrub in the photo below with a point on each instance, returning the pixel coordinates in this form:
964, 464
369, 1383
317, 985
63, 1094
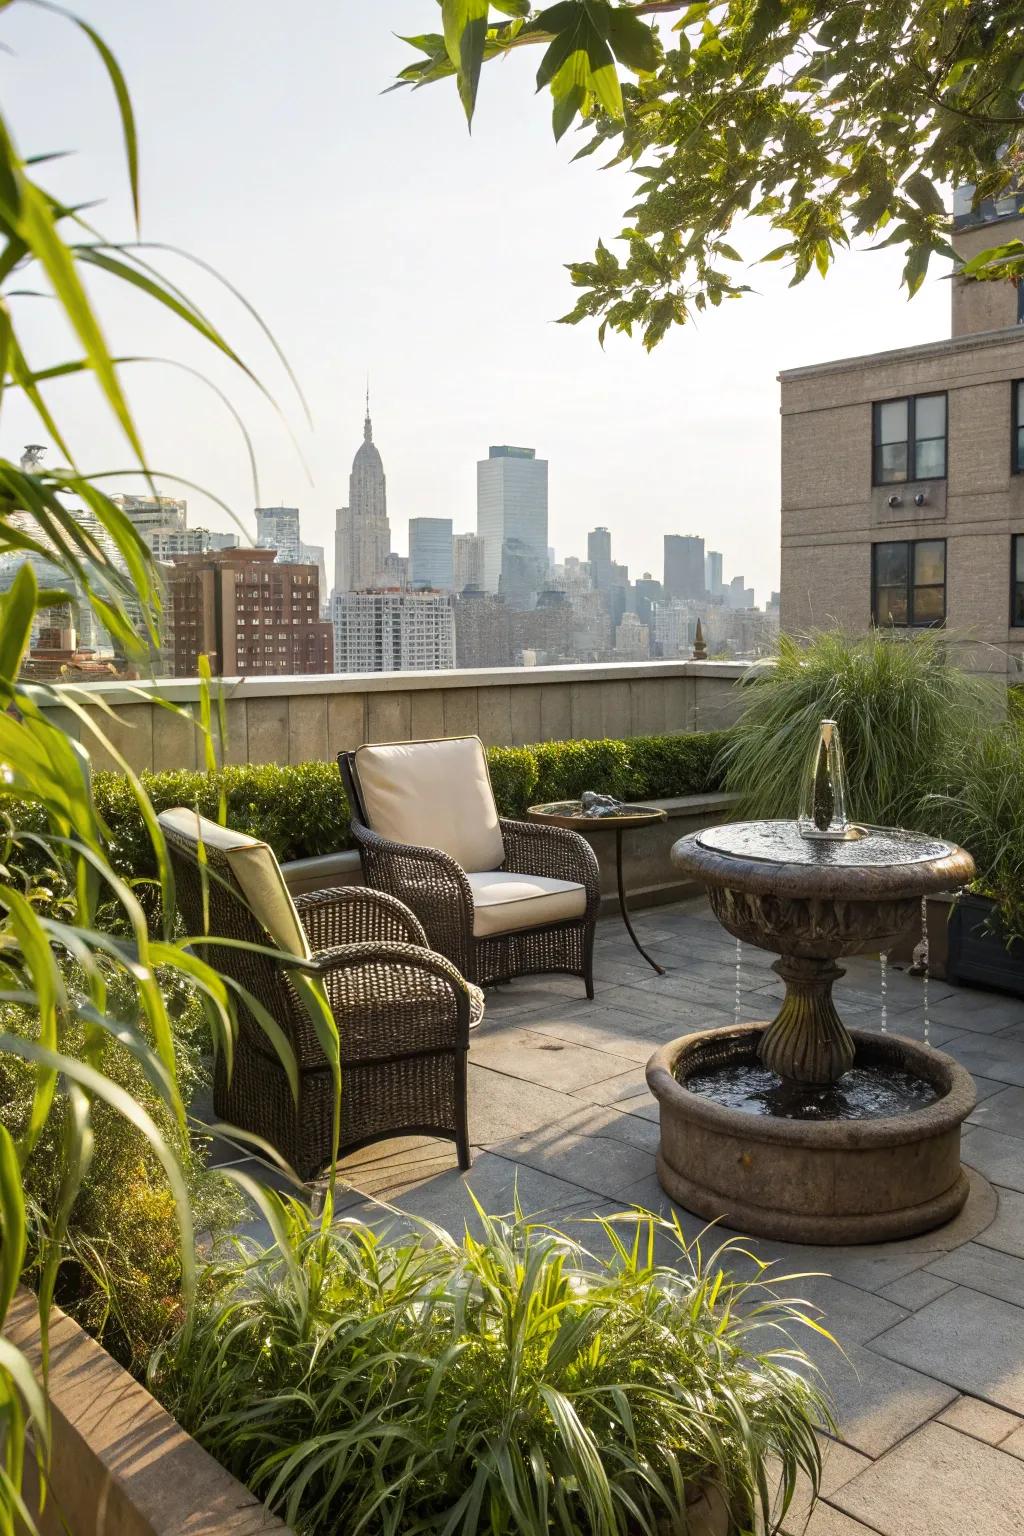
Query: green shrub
905, 714
513, 778
120, 1274
662, 767
301, 809
984, 811
566, 768
514, 1384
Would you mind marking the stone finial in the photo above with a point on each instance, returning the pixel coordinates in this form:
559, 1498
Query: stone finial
700, 650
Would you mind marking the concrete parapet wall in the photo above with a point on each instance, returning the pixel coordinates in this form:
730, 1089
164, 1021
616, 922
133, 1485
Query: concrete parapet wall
301, 719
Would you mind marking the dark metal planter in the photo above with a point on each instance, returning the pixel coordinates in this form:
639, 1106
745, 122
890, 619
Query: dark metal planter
978, 953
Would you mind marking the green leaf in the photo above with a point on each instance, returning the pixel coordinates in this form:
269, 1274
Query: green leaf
633, 42
465, 33
925, 193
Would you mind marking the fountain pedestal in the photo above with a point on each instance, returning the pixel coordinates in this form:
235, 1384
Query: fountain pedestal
807, 1042
823, 1179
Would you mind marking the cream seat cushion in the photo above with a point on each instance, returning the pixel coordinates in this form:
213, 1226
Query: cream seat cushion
433, 794
257, 872
505, 902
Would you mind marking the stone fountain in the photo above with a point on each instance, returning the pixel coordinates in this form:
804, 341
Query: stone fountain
800, 1128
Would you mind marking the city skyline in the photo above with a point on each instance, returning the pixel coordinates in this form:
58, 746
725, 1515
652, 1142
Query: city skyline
635, 442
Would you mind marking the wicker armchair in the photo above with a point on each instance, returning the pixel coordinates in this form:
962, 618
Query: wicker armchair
403, 1012
499, 898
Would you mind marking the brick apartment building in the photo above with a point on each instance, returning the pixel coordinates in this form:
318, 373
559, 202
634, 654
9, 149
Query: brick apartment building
903, 474
253, 616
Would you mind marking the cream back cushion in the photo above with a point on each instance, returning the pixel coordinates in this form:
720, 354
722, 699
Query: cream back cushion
256, 871
433, 794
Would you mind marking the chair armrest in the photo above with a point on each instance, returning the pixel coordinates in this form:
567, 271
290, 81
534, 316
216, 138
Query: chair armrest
557, 853
394, 999
427, 880
354, 914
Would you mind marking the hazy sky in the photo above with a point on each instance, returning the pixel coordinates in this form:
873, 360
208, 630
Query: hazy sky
373, 234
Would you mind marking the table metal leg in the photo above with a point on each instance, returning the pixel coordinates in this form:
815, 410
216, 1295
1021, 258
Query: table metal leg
622, 904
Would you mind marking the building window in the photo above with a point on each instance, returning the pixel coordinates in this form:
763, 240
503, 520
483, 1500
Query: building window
908, 583
1017, 581
1017, 441
909, 439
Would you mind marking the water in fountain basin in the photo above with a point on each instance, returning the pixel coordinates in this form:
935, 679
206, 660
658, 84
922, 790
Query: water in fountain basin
864, 1093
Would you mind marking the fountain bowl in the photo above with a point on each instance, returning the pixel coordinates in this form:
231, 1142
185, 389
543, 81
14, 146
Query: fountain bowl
812, 1181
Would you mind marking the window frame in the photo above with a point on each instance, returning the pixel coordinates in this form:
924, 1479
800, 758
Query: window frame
911, 439
1016, 542
911, 623
1016, 423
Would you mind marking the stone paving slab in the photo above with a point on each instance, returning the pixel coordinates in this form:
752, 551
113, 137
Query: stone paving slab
990, 1056
973, 1417
1006, 1229
1000, 1158
972, 1341
541, 1059
983, 1269
1002, 1111
587, 1153
939, 1483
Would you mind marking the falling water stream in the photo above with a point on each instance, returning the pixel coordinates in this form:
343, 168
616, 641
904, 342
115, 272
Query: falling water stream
883, 980
739, 976
924, 962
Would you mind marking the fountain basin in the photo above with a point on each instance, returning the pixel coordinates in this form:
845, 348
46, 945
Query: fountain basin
812, 1181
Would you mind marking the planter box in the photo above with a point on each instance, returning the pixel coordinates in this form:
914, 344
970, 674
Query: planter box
978, 955
649, 873
120, 1465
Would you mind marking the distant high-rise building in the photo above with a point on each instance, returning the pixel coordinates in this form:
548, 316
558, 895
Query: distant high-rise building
226, 541
252, 615
278, 528
512, 517
166, 543
713, 572
165, 514
737, 595
645, 592
467, 561
362, 533
523, 575
395, 572
632, 639
315, 554
546, 631
673, 626
431, 554
684, 565
599, 558
483, 630
393, 632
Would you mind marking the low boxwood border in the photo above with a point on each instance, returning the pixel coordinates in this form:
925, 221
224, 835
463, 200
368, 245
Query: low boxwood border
301, 809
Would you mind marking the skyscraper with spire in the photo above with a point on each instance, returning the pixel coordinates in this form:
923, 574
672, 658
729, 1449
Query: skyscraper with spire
362, 532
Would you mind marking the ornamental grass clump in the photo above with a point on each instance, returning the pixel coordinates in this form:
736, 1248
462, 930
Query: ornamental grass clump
906, 714
517, 1383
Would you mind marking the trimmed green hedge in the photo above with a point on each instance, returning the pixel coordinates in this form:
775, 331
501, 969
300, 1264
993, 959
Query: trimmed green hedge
301, 810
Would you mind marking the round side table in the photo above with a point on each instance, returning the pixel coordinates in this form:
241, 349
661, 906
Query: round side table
570, 813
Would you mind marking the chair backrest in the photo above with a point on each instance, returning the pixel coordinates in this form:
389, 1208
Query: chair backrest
432, 794
241, 895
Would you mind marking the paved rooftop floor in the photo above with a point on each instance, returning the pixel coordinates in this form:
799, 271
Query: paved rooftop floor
930, 1394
